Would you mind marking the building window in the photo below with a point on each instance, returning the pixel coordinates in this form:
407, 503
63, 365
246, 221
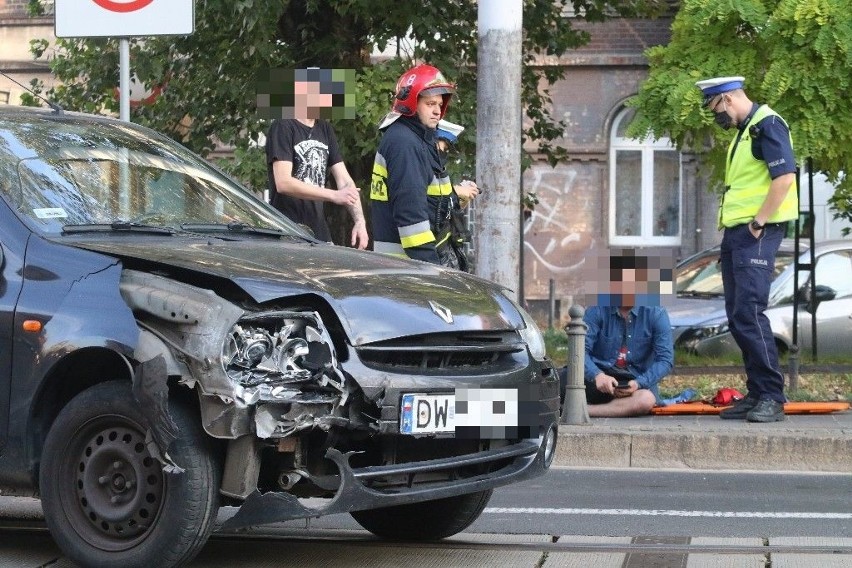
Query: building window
644, 189
4, 97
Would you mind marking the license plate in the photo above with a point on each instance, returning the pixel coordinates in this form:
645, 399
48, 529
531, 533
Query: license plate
427, 413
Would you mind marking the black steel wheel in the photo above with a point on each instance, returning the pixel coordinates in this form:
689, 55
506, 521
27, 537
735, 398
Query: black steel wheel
107, 501
118, 488
429, 520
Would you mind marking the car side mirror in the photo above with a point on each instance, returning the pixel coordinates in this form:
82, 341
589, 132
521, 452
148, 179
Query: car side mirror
812, 298
824, 293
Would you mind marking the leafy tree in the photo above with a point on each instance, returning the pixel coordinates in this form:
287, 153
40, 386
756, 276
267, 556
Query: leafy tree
796, 56
209, 76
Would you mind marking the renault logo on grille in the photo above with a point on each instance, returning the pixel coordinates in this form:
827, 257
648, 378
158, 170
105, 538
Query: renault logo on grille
442, 312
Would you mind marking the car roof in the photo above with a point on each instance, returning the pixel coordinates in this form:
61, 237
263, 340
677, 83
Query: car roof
787, 246
46, 112
823, 247
19, 113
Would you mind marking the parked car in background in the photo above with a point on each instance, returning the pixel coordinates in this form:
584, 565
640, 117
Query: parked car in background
169, 343
697, 313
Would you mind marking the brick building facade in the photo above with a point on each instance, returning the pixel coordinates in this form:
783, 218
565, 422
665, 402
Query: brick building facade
588, 201
17, 28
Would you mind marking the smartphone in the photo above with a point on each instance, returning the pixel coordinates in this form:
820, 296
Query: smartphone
623, 384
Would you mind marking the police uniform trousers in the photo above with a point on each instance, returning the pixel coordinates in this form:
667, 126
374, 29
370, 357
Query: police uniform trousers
748, 265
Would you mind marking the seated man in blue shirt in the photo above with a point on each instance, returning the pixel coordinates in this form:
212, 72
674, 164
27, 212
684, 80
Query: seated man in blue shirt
629, 339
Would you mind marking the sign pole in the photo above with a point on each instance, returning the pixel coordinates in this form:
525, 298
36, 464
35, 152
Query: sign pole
124, 81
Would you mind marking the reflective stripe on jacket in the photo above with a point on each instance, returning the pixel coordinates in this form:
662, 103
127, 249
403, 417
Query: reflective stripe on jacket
407, 175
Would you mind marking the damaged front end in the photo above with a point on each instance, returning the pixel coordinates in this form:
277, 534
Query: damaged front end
297, 424
263, 373
262, 377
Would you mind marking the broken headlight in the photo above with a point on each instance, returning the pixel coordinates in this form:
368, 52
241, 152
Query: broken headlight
279, 349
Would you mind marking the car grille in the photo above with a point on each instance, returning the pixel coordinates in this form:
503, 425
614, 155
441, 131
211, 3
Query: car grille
443, 352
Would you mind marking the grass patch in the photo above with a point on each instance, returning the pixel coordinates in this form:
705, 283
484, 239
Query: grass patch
556, 344
812, 387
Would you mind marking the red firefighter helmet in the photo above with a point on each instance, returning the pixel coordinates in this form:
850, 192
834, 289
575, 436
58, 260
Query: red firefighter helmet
420, 80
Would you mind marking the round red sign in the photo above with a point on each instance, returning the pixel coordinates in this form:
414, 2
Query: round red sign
129, 6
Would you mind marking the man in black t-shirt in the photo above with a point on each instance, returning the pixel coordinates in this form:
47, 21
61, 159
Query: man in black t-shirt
299, 153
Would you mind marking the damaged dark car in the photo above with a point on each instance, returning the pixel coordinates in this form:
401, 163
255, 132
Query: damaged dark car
170, 345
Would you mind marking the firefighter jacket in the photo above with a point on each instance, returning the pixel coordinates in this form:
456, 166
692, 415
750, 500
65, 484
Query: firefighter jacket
408, 186
747, 179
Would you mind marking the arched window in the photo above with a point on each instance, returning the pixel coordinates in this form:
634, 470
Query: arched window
644, 189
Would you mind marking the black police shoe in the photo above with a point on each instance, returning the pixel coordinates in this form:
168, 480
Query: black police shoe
767, 411
740, 409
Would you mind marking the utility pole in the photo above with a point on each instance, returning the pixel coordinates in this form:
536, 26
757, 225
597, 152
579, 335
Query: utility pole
498, 142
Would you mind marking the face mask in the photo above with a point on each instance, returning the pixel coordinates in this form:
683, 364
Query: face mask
723, 119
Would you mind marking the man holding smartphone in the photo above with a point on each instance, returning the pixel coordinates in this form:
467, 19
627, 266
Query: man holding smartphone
629, 345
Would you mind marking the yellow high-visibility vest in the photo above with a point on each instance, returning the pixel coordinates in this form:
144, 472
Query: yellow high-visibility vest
747, 182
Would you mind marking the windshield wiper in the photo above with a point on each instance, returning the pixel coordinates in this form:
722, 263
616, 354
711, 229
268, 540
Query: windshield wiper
234, 227
117, 226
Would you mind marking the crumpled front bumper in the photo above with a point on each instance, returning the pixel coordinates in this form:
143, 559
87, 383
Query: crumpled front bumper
523, 460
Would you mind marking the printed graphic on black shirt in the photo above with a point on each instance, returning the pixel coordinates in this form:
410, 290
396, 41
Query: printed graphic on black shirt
311, 162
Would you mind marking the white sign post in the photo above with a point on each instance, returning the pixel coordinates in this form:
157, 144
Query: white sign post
123, 19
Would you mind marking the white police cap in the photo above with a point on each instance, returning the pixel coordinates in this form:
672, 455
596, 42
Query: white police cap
719, 85
448, 131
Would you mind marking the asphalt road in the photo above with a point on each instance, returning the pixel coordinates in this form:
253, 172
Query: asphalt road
677, 503
673, 503
570, 517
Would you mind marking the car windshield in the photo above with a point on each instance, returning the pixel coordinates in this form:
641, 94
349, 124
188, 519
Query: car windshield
702, 276
64, 175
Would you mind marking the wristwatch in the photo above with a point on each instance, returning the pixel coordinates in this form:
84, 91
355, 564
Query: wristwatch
755, 225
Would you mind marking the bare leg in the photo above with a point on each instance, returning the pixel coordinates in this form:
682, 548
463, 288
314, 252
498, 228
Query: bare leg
639, 403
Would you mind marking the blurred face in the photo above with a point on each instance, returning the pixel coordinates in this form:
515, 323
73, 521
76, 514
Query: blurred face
633, 281
308, 99
429, 110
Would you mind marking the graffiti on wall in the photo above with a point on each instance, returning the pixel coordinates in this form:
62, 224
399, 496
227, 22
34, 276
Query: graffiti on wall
559, 231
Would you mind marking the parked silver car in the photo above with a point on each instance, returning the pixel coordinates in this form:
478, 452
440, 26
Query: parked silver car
700, 325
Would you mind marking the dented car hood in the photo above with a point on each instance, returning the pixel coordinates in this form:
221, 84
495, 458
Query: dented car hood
377, 297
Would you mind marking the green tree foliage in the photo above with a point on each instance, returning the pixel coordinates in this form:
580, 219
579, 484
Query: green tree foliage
796, 56
209, 77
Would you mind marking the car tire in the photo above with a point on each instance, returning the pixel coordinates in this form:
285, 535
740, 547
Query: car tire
429, 520
108, 502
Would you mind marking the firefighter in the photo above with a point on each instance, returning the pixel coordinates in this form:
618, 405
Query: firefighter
408, 173
455, 234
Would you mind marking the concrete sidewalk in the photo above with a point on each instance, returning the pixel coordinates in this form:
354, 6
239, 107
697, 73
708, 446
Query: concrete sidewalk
800, 443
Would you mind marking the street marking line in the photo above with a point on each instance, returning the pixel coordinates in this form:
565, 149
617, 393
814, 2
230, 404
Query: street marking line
667, 513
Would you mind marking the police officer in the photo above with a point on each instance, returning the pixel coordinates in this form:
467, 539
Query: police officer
408, 171
452, 237
760, 197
